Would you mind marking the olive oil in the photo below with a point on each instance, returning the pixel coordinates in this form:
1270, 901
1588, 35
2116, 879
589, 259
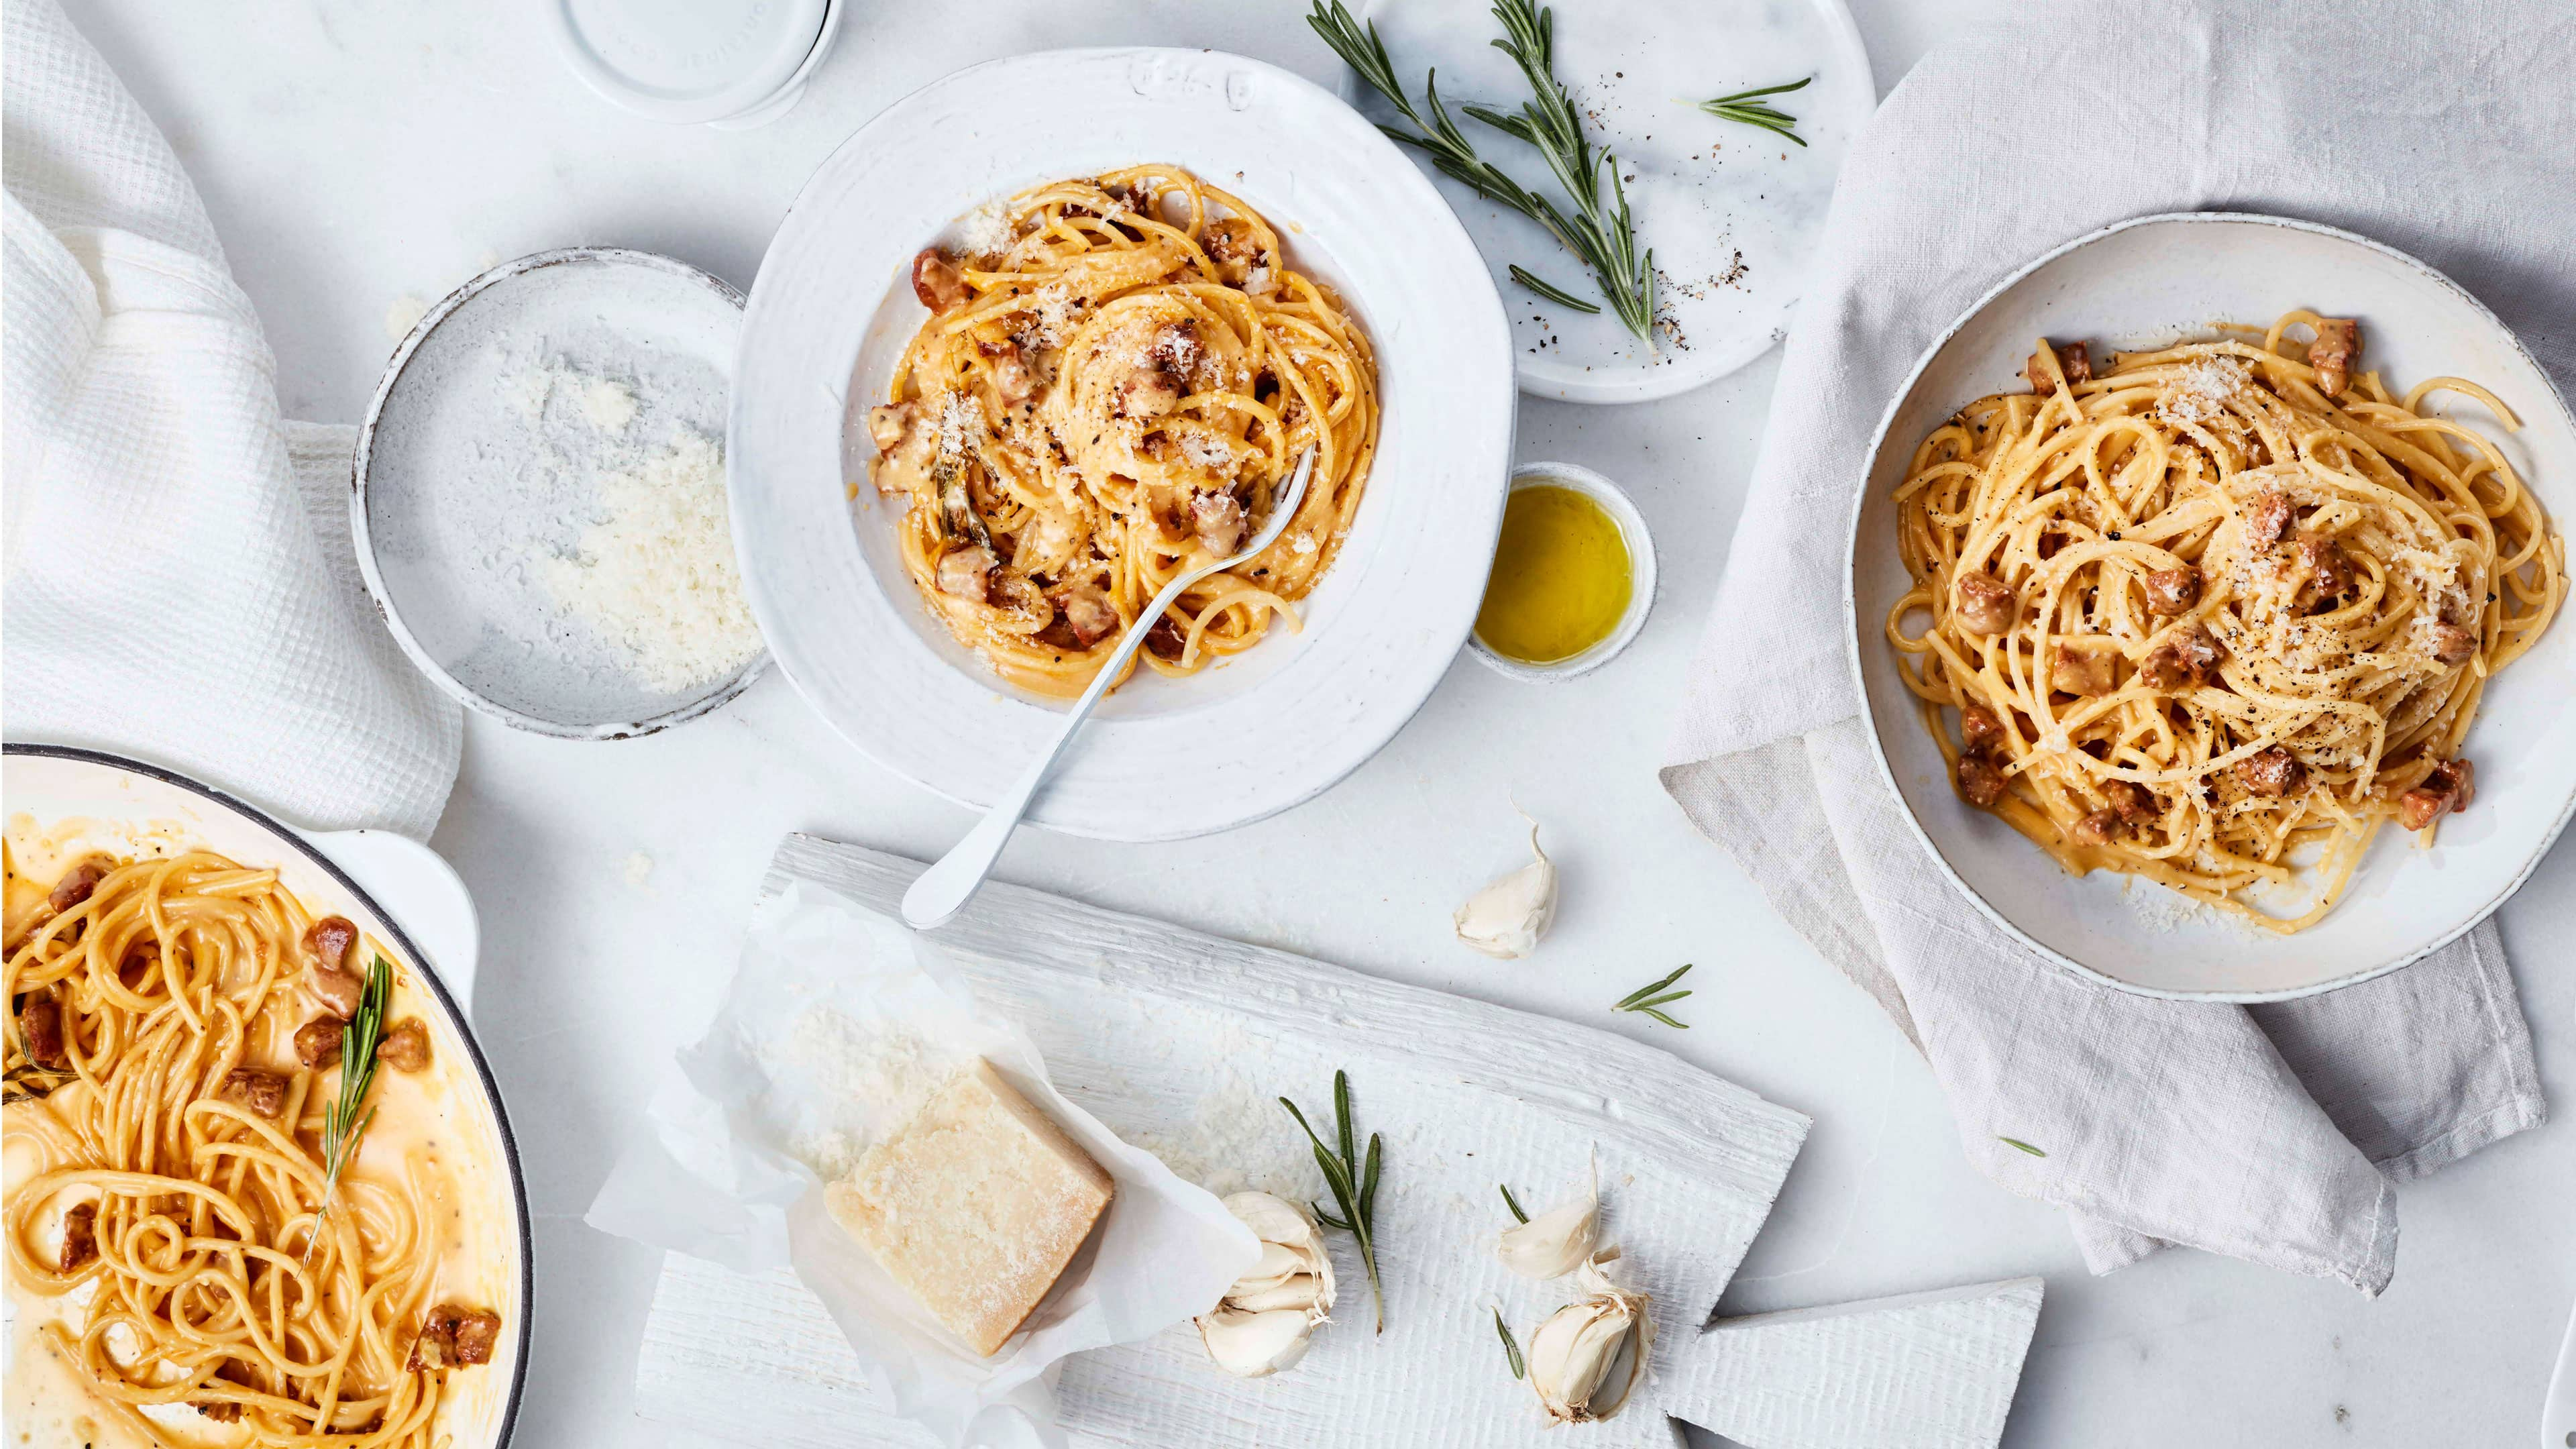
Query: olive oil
1561, 578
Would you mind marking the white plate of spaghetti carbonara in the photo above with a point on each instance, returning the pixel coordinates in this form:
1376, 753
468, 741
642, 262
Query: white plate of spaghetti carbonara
1056, 329
2204, 595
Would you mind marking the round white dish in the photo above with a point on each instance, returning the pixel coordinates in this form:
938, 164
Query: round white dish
457, 505
828, 319
1732, 211
2144, 282
394, 889
731, 65
1641, 571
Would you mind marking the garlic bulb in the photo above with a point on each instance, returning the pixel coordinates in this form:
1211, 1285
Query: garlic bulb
1262, 1323
1557, 1241
1506, 919
1588, 1355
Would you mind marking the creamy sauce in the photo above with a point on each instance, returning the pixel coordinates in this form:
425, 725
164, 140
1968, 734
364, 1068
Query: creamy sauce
430, 1130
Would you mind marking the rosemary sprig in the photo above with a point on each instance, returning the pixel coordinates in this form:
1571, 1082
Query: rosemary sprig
1512, 1202
27, 1082
1550, 290
341, 1125
1646, 1000
1604, 241
1511, 1346
1750, 109
1353, 1181
2024, 1146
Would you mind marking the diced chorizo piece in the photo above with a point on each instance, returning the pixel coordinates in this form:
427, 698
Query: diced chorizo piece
2451, 644
2458, 777
2337, 347
2185, 657
40, 1031
967, 573
1165, 640
2098, 828
2266, 519
1011, 376
2134, 803
434, 1347
2073, 358
2271, 774
317, 1042
1980, 782
1177, 349
1217, 520
405, 1048
1979, 730
76, 885
1148, 392
1087, 613
2085, 669
887, 423
937, 282
338, 991
1236, 248
260, 1093
80, 1237
1985, 605
477, 1330
2324, 570
327, 942
2172, 591
220, 1411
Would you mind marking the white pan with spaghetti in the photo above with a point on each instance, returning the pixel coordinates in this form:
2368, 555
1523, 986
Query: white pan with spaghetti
193, 1255
1157, 277
2221, 659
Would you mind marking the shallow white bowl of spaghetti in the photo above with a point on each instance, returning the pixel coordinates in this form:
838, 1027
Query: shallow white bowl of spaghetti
1163, 758
2143, 283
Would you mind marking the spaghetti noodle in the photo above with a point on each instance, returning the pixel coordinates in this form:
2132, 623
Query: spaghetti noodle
170, 1204
1115, 378
2217, 615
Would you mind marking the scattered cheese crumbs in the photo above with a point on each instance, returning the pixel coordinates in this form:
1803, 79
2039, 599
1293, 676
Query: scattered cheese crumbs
961, 422
986, 231
655, 576
975, 1207
639, 868
1207, 452
607, 403
1302, 543
2201, 393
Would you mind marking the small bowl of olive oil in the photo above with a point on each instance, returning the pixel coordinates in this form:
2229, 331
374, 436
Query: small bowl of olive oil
1573, 575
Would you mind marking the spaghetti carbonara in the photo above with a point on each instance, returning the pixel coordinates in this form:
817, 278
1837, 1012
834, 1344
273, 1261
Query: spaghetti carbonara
185, 1266
2214, 616
1115, 376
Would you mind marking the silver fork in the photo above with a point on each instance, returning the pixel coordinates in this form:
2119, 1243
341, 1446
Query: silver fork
943, 890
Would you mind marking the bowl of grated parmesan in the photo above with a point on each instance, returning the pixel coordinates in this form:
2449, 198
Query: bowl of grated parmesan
539, 503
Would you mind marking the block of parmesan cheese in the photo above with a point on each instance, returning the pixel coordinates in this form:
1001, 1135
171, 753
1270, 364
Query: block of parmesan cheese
975, 1206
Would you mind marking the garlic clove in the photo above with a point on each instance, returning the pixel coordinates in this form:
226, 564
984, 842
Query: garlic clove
1251, 1345
1589, 1355
1278, 1264
1507, 918
1554, 1243
1299, 1292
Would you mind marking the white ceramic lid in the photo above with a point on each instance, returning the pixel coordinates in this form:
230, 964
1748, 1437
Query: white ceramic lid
689, 61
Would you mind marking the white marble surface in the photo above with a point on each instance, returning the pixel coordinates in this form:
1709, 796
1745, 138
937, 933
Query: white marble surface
360, 159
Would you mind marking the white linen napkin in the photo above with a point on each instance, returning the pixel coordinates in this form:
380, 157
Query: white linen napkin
178, 575
2272, 1133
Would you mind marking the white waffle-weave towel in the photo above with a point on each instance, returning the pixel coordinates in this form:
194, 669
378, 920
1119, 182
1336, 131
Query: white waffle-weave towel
179, 584
2273, 1133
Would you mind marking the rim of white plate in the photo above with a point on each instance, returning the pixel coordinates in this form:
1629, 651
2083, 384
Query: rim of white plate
2551, 398
1164, 759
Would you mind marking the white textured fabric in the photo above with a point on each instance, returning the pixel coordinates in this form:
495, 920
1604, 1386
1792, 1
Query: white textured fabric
2271, 1134
179, 583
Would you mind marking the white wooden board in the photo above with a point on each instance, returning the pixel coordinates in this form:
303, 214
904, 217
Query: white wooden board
1179, 1041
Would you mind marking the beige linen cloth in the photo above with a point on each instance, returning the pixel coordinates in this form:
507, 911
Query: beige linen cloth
2274, 1133
179, 584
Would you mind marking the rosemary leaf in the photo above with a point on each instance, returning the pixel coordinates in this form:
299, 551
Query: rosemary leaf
1748, 108
1551, 291
1511, 1346
1631, 1001
1512, 1202
2024, 1146
1353, 1183
1650, 999
343, 1124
